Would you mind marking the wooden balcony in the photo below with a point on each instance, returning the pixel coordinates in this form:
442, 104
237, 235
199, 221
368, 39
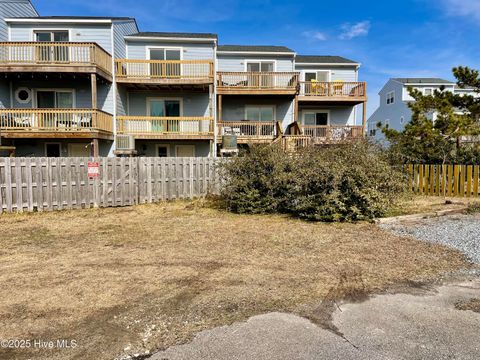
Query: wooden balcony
249, 131
276, 83
166, 72
149, 127
55, 123
332, 134
55, 57
336, 91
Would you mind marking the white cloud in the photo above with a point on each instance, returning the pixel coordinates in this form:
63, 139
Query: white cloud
315, 35
351, 31
469, 8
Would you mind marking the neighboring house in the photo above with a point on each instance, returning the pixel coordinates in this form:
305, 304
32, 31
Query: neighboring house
97, 86
394, 98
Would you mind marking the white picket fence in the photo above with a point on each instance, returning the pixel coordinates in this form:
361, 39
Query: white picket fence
45, 184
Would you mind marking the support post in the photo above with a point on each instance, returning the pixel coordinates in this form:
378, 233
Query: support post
95, 151
220, 108
364, 119
93, 78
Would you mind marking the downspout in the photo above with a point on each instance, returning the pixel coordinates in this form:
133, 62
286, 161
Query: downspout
214, 99
114, 85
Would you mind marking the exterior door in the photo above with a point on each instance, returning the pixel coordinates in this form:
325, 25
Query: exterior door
165, 69
52, 150
164, 108
316, 123
263, 80
55, 53
185, 150
79, 150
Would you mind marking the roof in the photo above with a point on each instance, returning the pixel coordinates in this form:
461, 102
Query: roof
75, 18
422, 81
323, 59
255, 48
175, 35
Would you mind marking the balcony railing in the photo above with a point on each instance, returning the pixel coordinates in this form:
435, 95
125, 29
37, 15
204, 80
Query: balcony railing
257, 81
335, 89
54, 54
149, 126
55, 120
249, 129
167, 71
333, 133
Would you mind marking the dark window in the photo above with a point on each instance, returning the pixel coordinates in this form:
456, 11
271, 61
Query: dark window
162, 151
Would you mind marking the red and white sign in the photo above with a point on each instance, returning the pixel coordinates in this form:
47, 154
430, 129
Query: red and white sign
93, 170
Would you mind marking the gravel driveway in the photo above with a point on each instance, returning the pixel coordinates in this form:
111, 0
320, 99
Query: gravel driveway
461, 232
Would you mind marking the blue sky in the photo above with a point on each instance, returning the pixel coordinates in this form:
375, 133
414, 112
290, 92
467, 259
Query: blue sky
390, 38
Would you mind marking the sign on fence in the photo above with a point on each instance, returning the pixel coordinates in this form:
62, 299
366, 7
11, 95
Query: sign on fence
444, 180
29, 184
93, 170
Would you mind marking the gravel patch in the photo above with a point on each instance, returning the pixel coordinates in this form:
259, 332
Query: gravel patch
461, 232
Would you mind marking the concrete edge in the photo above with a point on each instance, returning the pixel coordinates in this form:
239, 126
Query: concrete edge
428, 215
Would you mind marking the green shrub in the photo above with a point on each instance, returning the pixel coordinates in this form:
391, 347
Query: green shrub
338, 183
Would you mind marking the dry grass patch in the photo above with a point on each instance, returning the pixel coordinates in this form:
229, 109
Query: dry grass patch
149, 277
419, 204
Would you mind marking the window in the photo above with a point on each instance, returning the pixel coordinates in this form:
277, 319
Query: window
23, 95
402, 120
55, 99
387, 123
163, 151
390, 97
260, 66
372, 132
427, 91
52, 149
260, 113
52, 36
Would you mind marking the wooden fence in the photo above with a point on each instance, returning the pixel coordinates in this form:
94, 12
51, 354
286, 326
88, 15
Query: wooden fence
444, 180
45, 184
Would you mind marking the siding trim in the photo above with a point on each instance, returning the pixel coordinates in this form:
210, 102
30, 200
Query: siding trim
57, 21
169, 39
255, 53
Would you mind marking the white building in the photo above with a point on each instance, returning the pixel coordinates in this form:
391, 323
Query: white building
394, 98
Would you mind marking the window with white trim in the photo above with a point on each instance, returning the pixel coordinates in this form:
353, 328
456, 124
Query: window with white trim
390, 97
428, 91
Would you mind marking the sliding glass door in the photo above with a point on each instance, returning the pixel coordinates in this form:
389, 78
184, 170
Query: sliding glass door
52, 53
164, 108
165, 68
263, 80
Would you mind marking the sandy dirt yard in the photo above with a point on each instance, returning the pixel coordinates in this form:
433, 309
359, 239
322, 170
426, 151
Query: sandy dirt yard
128, 281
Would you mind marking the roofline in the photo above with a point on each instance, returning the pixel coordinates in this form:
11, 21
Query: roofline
72, 20
155, 38
421, 84
330, 64
256, 52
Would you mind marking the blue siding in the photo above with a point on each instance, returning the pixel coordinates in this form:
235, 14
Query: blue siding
338, 115
4, 94
237, 63
347, 74
11, 9
191, 51
194, 104
120, 30
233, 108
83, 93
98, 33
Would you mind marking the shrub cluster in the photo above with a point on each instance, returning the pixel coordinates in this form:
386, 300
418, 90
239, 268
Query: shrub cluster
338, 183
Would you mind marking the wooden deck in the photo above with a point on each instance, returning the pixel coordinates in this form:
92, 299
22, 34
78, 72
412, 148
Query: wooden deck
56, 123
257, 83
332, 134
55, 57
336, 91
167, 72
174, 128
249, 131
